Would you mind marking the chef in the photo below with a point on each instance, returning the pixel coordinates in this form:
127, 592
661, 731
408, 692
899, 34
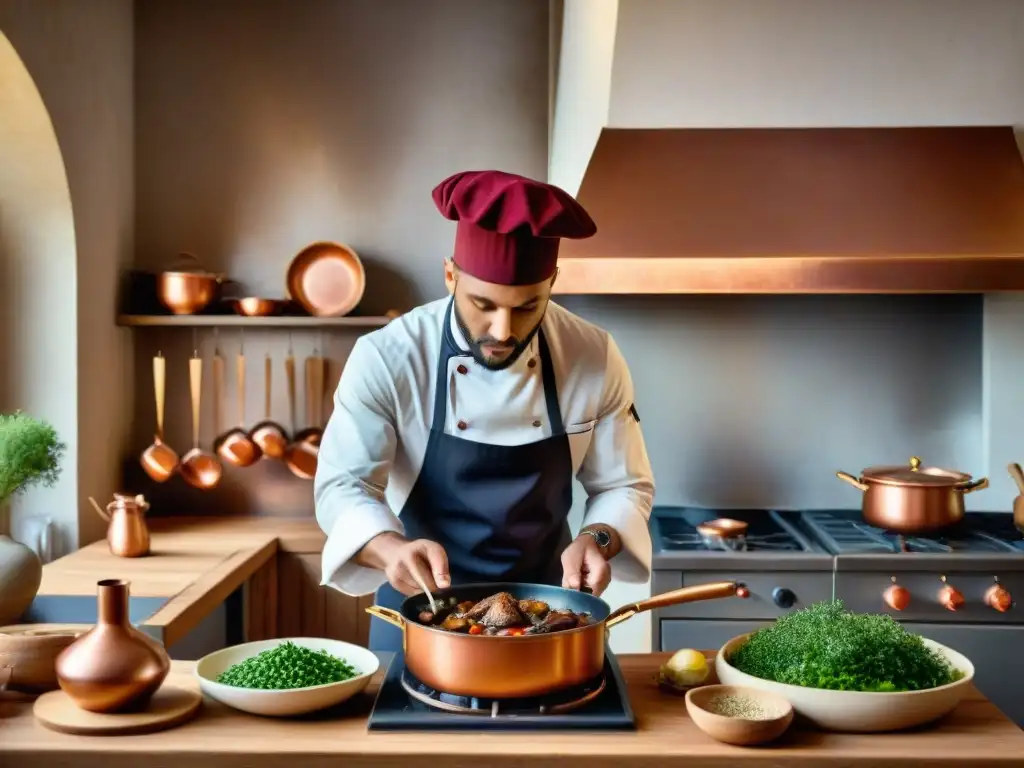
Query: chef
458, 428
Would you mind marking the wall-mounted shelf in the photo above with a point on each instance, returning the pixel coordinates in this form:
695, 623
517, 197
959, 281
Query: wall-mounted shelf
240, 321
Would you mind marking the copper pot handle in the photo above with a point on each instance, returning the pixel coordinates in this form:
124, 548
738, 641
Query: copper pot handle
675, 597
974, 485
99, 510
386, 614
846, 476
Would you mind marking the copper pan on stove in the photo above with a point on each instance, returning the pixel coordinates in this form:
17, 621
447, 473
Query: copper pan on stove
497, 667
327, 279
911, 499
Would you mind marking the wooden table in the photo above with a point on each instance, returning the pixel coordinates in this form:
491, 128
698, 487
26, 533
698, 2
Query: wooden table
975, 734
196, 563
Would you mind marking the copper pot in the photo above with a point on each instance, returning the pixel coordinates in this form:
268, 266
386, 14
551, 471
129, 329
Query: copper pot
188, 288
497, 667
913, 499
113, 667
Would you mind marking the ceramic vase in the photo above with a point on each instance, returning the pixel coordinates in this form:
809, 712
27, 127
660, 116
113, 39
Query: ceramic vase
20, 576
113, 667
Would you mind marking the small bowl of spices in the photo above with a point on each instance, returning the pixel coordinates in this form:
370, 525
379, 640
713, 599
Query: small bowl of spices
286, 677
736, 715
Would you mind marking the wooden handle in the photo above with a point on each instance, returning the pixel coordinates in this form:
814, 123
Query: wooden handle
195, 376
310, 391
240, 385
318, 392
218, 390
268, 377
159, 391
289, 366
1017, 475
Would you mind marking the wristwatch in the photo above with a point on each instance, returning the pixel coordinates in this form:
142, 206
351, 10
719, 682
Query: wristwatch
602, 537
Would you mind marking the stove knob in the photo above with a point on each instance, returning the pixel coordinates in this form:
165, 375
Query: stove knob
999, 597
784, 598
896, 597
950, 598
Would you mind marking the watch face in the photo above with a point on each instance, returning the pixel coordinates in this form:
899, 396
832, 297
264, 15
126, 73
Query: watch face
602, 537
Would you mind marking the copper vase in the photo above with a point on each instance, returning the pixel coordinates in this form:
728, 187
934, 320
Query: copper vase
113, 667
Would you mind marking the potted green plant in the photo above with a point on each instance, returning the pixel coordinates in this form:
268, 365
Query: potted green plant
30, 455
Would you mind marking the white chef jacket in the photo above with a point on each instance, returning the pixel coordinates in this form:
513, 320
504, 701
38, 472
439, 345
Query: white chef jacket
374, 443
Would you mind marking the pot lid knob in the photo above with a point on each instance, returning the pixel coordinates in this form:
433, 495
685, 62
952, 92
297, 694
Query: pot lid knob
915, 463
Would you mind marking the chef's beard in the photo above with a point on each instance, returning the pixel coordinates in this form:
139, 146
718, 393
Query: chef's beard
476, 345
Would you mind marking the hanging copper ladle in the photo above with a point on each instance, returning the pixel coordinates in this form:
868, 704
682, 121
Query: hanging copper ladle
159, 460
314, 400
301, 456
199, 468
268, 434
235, 446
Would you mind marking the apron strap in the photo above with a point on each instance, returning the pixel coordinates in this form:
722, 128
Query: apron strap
449, 350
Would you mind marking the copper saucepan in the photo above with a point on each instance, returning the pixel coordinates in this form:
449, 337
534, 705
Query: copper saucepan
498, 667
912, 499
268, 434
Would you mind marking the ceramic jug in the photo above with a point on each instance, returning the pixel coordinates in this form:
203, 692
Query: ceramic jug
113, 667
127, 532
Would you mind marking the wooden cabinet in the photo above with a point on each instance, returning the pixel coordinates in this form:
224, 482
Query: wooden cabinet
285, 599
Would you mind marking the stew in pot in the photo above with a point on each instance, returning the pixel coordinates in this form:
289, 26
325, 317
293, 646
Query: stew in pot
503, 615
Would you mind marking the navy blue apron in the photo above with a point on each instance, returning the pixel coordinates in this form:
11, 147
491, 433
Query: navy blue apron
500, 511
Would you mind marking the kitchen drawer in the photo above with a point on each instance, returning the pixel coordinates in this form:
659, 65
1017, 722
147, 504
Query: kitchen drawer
807, 587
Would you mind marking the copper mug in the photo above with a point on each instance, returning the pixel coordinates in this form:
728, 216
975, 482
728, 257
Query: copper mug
127, 532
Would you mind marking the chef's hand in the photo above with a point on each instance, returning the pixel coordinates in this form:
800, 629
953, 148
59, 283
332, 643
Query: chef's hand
584, 564
399, 558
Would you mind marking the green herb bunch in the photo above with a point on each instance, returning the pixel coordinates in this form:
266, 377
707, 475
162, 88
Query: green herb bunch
30, 454
287, 666
825, 646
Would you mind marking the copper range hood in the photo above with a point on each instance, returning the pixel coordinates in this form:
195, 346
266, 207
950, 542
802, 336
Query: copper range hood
801, 210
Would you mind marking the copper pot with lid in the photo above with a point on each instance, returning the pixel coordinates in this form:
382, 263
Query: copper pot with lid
912, 499
187, 287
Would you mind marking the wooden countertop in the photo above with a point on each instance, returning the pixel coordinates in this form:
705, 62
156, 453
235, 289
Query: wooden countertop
194, 562
975, 734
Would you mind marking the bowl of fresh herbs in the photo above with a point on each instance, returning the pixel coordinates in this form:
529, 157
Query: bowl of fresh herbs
844, 671
286, 677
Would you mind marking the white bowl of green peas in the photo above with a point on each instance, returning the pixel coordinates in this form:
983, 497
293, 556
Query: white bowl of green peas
287, 676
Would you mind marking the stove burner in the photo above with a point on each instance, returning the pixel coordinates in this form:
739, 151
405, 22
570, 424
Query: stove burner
551, 704
680, 528
844, 532
779, 541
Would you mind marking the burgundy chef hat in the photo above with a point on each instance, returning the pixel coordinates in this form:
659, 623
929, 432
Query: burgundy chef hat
509, 226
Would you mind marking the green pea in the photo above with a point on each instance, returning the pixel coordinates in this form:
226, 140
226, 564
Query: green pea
285, 667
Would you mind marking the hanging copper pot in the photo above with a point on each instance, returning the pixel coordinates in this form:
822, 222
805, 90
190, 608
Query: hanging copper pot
912, 499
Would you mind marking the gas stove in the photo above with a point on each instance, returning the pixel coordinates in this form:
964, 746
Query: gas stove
956, 586
405, 704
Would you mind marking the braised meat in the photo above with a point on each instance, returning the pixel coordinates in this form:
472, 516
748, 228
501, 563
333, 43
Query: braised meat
503, 615
500, 610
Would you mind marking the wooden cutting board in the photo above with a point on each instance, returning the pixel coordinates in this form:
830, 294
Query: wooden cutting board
170, 706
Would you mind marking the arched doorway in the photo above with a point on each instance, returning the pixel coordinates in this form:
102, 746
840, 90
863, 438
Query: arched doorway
38, 308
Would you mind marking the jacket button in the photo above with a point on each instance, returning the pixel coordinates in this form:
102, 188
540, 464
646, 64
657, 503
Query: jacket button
536, 423
462, 425
462, 369
532, 362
